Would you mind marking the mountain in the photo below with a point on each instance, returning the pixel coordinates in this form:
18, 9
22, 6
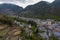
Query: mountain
39, 7
10, 9
38, 10
56, 7
43, 10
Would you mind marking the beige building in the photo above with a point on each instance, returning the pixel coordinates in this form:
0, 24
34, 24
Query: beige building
49, 21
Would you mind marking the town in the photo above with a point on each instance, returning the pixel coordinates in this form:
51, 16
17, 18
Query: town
46, 27
31, 28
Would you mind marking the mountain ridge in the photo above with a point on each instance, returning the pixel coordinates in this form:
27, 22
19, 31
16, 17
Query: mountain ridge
10, 8
41, 9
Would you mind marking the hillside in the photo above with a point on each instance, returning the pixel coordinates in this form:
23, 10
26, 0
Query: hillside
10, 9
43, 10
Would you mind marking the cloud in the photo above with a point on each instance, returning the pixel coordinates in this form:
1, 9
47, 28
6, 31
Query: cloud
12, 0
22, 3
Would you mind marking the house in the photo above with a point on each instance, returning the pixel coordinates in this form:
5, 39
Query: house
49, 21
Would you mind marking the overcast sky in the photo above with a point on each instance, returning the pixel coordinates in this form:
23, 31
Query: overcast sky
23, 3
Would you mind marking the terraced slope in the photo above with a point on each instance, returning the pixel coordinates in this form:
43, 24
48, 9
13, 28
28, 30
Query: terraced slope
9, 33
